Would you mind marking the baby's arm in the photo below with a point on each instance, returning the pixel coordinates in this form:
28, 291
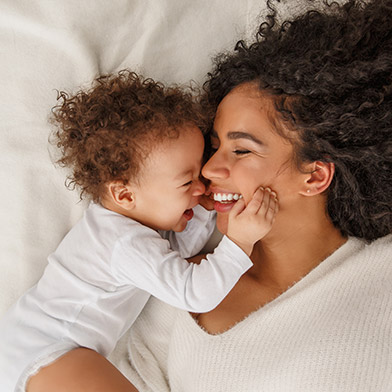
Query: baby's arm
147, 262
152, 266
249, 224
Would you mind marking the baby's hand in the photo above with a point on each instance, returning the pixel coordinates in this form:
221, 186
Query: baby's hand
249, 224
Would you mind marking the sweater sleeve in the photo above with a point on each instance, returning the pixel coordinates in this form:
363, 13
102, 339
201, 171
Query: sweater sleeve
146, 261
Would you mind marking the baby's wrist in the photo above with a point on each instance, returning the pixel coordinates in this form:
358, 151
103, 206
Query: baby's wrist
245, 246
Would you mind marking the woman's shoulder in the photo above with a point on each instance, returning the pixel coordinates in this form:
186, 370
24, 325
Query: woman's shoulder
380, 249
383, 243
357, 250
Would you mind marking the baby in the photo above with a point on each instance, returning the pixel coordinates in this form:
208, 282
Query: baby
135, 149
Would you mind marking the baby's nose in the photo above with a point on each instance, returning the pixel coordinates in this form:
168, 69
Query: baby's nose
199, 188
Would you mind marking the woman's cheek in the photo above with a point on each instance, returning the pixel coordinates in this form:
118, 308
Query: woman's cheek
247, 178
248, 187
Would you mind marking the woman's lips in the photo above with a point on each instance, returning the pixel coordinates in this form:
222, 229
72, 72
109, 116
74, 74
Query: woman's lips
223, 207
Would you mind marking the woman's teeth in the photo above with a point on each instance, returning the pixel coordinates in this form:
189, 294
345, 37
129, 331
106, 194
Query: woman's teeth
227, 197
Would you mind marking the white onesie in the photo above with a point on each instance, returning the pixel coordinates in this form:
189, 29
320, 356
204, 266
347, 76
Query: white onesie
98, 281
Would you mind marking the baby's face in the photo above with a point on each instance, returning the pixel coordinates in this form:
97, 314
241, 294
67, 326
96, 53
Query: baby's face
169, 186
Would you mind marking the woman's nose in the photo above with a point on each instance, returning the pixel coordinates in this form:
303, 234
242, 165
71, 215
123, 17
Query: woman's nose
215, 168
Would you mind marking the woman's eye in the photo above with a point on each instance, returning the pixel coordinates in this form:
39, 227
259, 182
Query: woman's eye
241, 152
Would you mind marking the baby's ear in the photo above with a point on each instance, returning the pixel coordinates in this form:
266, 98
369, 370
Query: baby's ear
121, 194
320, 175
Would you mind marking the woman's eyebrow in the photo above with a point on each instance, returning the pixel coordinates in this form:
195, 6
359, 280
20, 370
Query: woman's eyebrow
243, 135
234, 135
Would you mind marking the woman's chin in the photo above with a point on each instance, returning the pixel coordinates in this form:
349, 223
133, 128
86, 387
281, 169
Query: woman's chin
222, 221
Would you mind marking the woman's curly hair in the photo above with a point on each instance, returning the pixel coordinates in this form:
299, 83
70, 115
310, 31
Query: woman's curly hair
330, 74
106, 133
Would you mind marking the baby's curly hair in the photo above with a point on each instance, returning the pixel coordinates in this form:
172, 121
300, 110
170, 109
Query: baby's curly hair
329, 74
107, 132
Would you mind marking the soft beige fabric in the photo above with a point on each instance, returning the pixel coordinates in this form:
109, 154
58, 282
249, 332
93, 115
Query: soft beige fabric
330, 332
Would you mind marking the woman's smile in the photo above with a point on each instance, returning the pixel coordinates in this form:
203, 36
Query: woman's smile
226, 197
224, 200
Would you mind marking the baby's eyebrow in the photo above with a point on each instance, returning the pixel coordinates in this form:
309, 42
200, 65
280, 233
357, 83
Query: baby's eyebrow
182, 175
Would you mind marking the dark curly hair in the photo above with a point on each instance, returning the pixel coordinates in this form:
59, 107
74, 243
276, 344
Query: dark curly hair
329, 74
106, 133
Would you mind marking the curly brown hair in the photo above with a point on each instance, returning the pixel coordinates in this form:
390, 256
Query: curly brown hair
330, 75
106, 133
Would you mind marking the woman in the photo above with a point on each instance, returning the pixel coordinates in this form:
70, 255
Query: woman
306, 111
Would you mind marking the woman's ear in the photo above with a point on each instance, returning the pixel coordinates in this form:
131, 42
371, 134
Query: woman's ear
121, 194
319, 178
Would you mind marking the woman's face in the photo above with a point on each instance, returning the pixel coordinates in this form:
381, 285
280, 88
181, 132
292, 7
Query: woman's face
249, 154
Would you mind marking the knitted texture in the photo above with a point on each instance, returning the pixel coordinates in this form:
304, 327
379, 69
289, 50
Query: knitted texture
331, 331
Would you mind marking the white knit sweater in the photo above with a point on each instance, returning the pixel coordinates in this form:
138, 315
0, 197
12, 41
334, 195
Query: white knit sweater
331, 331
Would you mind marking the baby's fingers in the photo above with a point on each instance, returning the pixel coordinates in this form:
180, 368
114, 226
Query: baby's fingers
256, 202
238, 207
273, 208
265, 202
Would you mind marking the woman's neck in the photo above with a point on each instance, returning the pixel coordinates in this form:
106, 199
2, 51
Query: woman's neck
292, 250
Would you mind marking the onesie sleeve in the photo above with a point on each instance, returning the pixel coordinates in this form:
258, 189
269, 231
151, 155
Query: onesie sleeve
146, 261
196, 234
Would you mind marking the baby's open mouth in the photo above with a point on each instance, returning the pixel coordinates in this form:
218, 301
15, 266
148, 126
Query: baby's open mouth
188, 214
227, 197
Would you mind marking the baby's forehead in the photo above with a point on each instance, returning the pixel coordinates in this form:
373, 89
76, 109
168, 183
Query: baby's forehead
175, 155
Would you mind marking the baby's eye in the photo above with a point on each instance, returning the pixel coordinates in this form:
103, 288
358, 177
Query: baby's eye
214, 144
187, 183
214, 148
241, 152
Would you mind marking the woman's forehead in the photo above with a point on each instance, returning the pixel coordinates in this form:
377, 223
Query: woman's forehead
247, 96
249, 109
244, 107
